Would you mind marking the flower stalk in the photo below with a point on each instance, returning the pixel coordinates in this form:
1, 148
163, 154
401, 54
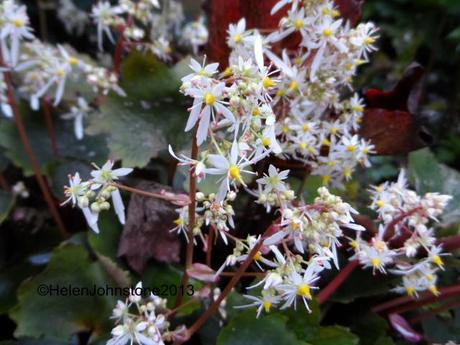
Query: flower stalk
30, 154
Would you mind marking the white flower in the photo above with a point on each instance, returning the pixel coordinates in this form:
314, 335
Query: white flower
105, 15
274, 180
107, 175
236, 33
77, 194
298, 285
14, 28
207, 105
266, 302
200, 71
78, 113
232, 167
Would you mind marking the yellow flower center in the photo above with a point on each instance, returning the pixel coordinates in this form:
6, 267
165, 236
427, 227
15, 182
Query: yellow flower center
228, 72
335, 14
267, 305
326, 142
347, 173
351, 148
268, 82
293, 86
285, 129
333, 131
178, 221
304, 290
376, 262
379, 245
280, 92
73, 61
237, 38
18, 22
305, 128
327, 32
209, 99
410, 291
298, 23
303, 145
258, 256
266, 142
434, 290
234, 173
358, 108
353, 244
437, 260
369, 40
256, 111
60, 72
380, 203
326, 179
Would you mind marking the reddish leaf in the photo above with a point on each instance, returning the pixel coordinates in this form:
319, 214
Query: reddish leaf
390, 121
146, 234
202, 272
350, 9
391, 131
402, 327
222, 13
405, 96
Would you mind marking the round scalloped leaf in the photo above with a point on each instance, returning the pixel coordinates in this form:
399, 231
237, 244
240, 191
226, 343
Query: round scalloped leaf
246, 329
69, 267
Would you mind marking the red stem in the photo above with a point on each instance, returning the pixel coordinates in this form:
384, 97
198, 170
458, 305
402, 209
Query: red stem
117, 54
228, 288
424, 296
433, 312
451, 243
30, 154
191, 218
209, 247
338, 280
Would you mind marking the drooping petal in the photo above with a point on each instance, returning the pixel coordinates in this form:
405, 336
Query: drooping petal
118, 206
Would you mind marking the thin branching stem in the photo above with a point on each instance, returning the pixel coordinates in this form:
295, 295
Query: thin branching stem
30, 154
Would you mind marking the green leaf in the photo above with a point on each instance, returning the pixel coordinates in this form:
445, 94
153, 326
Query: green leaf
70, 266
90, 149
33, 342
369, 285
106, 242
331, 335
144, 77
153, 115
6, 204
455, 34
167, 280
371, 329
430, 176
246, 329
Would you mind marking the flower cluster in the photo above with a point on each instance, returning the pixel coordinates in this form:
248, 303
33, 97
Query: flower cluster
405, 242
74, 19
44, 69
144, 25
93, 196
142, 321
288, 104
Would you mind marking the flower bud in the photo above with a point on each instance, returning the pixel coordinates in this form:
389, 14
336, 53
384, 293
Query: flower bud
105, 205
95, 207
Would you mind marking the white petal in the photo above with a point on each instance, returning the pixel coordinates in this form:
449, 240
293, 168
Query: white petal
118, 206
